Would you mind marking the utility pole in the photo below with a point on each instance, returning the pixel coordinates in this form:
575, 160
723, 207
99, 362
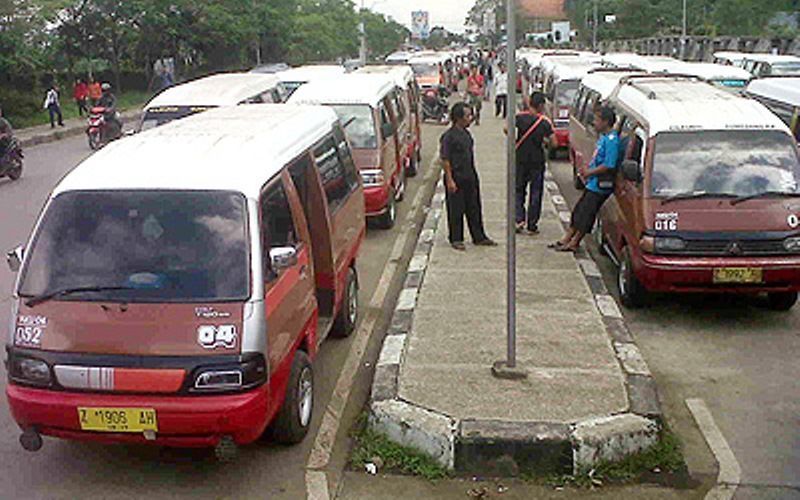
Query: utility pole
684, 19
362, 52
594, 26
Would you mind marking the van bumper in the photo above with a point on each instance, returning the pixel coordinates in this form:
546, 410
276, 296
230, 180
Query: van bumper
660, 273
376, 199
183, 421
562, 137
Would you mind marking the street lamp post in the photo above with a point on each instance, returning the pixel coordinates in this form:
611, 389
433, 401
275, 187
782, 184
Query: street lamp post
594, 26
684, 19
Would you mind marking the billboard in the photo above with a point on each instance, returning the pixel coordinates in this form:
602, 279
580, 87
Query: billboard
420, 25
561, 32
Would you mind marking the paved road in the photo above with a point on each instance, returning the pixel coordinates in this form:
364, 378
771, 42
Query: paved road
737, 356
71, 470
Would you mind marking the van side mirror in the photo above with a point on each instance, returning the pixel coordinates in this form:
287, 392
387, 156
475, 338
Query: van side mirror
387, 129
631, 172
282, 258
14, 258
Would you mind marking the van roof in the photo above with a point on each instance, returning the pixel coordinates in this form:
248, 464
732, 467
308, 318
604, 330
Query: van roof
604, 82
223, 89
426, 59
347, 89
402, 74
232, 148
679, 103
781, 89
568, 69
303, 74
711, 71
771, 58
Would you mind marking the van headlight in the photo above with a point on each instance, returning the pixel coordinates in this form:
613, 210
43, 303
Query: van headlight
668, 244
31, 371
248, 374
372, 177
792, 244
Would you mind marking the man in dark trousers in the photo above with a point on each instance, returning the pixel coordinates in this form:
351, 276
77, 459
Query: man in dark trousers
463, 196
533, 129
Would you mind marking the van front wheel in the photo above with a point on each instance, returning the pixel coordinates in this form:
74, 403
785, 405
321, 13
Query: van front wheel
782, 301
346, 320
387, 219
294, 418
631, 291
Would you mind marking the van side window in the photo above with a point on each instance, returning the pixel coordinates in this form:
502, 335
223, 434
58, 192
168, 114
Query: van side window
576, 105
277, 225
350, 171
400, 107
385, 120
332, 173
413, 96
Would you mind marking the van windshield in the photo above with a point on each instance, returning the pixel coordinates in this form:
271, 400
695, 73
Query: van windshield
155, 117
359, 123
730, 162
785, 69
154, 246
566, 92
425, 69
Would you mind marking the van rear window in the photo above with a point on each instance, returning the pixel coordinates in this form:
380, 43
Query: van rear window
359, 123
154, 246
728, 162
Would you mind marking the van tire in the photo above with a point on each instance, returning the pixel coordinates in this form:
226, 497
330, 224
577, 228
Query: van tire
552, 153
388, 218
293, 421
632, 293
413, 166
347, 318
781, 301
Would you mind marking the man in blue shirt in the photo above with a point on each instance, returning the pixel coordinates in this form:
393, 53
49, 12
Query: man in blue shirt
599, 179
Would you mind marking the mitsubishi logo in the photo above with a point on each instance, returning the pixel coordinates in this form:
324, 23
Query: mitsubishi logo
734, 248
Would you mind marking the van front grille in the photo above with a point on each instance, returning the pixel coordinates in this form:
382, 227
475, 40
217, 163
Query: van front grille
734, 248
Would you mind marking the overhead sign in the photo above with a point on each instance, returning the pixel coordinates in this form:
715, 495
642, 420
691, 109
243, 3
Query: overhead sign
420, 25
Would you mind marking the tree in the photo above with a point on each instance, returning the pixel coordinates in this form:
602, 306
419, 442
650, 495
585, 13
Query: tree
383, 35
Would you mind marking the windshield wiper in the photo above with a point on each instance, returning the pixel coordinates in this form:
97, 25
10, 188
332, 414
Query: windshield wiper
765, 194
38, 299
696, 195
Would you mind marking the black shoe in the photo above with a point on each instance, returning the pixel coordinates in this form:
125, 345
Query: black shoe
459, 245
533, 230
488, 242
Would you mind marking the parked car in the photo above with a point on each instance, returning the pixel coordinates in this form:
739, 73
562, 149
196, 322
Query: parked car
762, 65
223, 89
706, 199
562, 79
294, 78
366, 107
178, 284
782, 97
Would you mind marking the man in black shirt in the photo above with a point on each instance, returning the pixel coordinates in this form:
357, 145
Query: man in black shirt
533, 128
463, 194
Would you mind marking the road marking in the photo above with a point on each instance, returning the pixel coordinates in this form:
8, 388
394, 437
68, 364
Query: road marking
729, 471
321, 451
317, 485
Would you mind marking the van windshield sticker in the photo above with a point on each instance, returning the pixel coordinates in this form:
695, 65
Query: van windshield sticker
666, 221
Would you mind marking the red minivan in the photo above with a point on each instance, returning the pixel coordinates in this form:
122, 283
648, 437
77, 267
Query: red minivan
708, 194
367, 108
162, 300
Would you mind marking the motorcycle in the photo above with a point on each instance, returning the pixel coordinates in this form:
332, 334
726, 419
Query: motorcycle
101, 131
434, 105
11, 160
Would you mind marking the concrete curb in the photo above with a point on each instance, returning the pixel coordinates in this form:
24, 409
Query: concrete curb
495, 448
58, 134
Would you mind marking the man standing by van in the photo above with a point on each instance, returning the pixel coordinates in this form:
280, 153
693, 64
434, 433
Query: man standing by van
463, 196
533, 128
599, 177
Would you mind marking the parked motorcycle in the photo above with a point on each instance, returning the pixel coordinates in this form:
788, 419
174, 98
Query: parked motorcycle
100, 130
11, 160
434, 105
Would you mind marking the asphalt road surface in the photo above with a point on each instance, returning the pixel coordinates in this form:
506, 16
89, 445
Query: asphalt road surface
63, 469
737, 356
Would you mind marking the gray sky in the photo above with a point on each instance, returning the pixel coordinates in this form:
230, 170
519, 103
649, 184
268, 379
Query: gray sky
447, 13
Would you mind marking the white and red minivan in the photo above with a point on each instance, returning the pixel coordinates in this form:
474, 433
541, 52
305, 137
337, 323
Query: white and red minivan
178, 283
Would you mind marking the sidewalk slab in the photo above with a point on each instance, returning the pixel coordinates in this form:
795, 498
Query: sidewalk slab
588, 395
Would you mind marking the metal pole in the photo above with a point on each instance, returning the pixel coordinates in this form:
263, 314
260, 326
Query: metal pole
594, 27
684, 19
362, 52
511, 235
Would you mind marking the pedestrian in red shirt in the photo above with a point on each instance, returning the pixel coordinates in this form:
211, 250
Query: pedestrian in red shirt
81, 94
475, 89
95, 92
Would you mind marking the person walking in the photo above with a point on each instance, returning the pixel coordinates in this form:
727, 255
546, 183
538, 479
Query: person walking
475, 87
462, 194
81, 94
533, 128
53, 106
95, 91
599, 181
501, 93
488, 78
6, 133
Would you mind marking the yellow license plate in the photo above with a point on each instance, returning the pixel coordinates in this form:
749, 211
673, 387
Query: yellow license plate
118, 419
738, 275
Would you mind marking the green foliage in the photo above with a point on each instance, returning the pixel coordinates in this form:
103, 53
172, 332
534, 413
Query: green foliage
370, 445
